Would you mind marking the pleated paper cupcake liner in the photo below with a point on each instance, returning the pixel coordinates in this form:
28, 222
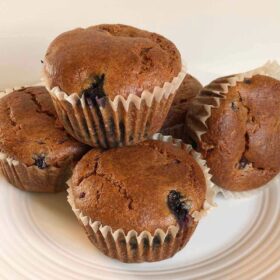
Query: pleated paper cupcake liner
109, 123
31, 178
145, 246
210, 97
133, 246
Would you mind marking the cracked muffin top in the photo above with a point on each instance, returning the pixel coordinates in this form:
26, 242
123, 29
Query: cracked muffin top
30, 131
242, 144
187, 91
110, 60
143, 187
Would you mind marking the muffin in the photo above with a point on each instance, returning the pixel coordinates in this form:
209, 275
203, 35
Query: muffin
113, 85
36, 153
174, 123
139, 203
241, 139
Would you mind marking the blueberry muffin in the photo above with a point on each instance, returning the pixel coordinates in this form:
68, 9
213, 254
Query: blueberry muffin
153, 188
113, 84
242, 141
174, 123
36, 153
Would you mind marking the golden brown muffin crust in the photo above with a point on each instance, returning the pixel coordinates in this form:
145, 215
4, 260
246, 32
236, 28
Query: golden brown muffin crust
128, 187
30, 131
187, 91
242, 144
122, 58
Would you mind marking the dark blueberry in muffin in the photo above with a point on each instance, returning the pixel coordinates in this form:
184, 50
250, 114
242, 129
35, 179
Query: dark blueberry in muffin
247, 81
40, 161
234, 106
243, 162
95, 93
82, 195
178, 207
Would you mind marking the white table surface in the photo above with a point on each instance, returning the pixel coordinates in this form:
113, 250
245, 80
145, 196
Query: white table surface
215, 37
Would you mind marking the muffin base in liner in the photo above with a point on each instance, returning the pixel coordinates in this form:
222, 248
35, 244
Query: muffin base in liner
31, 178
105, 123
146, 246
210, 97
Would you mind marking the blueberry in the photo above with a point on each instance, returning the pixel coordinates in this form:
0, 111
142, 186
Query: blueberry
40, 161
95, 94
178, 206
234, 106
247, 81
82, 195
243, 162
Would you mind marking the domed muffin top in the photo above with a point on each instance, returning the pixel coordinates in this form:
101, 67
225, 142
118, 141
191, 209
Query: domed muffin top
110, 60
143, 187
30, 131
242, 143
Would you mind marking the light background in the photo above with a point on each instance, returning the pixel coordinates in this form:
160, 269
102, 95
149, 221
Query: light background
215, 37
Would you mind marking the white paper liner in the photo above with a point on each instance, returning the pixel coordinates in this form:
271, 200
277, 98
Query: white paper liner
270, 69
96, 225
158, 93
11, 161
119, 122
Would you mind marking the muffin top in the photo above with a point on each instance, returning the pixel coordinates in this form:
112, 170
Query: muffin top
143, 187
110, 60
242, 144
30, 131
187, 91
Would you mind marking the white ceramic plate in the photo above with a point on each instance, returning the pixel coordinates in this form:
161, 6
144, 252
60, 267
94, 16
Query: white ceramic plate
41, 239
